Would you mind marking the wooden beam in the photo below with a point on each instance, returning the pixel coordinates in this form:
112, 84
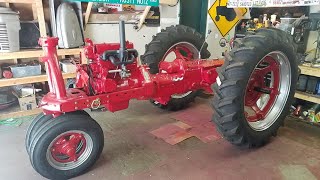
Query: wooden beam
18, 1
311, 71
87, 15
307, 97
34, 12
20, 113
30, 79
41, 20
143, 17
37, 53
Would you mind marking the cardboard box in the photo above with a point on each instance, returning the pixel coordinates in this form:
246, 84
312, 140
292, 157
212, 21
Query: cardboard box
118, 7
27, 103
27, 98
68, 67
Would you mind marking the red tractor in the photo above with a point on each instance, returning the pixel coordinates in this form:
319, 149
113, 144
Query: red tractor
253, 88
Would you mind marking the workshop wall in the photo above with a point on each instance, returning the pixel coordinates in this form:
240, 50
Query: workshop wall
97, 32
215, 37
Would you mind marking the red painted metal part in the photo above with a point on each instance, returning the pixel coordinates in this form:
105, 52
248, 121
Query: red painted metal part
7, 74
55, 79
257, 80
68, 147
99, 83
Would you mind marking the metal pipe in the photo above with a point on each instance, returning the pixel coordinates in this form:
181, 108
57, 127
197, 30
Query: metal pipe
49, 46
122, 32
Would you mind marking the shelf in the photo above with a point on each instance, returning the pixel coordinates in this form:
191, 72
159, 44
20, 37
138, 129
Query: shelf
311, 71
307, 97
15, 111
30, 79
19, 1
37, 53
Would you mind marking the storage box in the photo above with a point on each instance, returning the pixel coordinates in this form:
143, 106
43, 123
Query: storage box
25, 70
26, 97
9, 28
27, 103
68, 67
118, 7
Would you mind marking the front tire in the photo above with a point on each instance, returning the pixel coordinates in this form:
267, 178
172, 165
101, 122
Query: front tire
36, 123
255, 88
66, 146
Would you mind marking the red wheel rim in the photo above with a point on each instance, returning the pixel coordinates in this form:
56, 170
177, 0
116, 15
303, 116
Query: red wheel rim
69, 150
182, 51
267, 87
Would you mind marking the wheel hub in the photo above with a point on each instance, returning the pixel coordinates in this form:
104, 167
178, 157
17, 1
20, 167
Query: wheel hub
181, 50
69, 150
263, 100
68, 145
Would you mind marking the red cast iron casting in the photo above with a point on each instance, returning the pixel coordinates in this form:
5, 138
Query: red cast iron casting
99, 83
68, 147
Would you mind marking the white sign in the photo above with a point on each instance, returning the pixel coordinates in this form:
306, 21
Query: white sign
271, 3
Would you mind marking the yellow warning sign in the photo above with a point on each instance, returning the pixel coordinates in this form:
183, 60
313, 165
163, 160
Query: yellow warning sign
225, 18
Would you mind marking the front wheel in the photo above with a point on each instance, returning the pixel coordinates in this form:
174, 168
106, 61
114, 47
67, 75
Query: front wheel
66, 146
255, 88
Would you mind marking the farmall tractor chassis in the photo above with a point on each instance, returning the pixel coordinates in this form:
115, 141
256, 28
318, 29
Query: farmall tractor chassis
253, 88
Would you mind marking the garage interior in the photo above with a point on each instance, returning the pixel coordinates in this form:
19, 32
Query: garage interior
195, 134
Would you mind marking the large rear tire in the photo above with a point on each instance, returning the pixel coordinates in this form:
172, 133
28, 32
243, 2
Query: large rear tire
255, 88
168, 44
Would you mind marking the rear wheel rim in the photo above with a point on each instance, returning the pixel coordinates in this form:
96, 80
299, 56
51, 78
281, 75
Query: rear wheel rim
183, 50
69, 150
267, 91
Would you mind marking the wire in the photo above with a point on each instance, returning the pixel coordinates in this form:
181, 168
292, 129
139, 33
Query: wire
175, 4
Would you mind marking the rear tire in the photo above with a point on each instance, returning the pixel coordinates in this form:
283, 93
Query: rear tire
161, 44
253, 70
49, 148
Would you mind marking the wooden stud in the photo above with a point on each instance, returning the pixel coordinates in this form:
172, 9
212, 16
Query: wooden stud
15, 61
143, 17
88, 12
41, 20
34, 11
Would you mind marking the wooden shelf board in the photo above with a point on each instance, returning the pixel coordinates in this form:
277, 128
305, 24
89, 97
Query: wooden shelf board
311, 71
19, 1
15, 111
37, 53
307, 97
30, 79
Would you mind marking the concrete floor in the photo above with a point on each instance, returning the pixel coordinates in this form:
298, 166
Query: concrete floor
131, 152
